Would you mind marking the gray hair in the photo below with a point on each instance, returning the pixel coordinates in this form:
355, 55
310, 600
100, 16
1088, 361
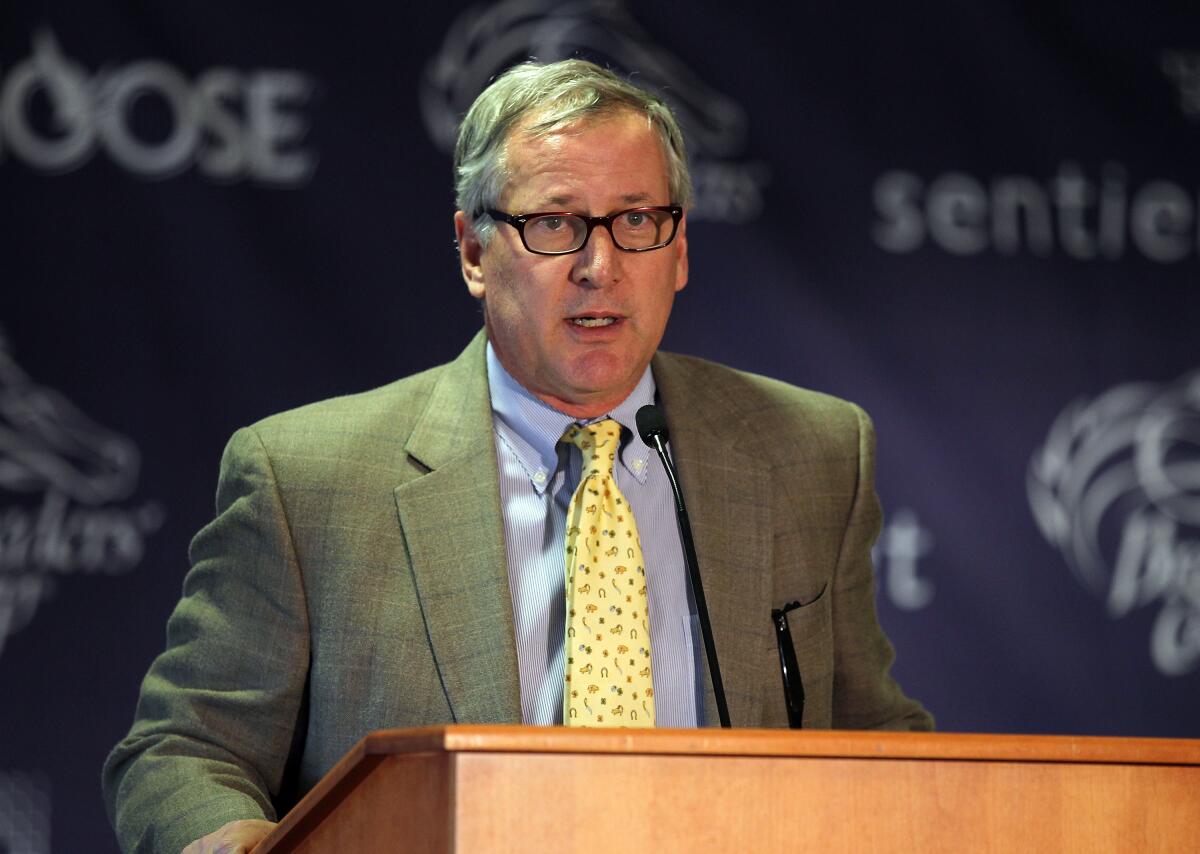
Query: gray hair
546, 98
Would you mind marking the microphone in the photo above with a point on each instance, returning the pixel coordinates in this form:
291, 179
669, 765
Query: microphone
652, 427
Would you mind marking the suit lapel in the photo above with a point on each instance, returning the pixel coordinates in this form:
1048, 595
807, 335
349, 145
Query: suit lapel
728, 498
451, 522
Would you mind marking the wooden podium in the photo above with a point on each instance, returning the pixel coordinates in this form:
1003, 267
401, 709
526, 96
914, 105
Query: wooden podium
536, 789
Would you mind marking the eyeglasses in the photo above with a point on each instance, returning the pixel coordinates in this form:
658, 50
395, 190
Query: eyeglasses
561, 233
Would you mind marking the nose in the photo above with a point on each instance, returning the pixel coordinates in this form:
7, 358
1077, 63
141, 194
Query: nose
598, 263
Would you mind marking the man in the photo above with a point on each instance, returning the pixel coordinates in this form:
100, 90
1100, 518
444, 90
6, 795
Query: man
396, 558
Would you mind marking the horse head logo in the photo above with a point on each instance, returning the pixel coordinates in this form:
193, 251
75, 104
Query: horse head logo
47, 444
1116, 489
484, 41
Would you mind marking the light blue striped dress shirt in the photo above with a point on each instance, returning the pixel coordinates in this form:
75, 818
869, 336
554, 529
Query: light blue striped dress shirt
538, 476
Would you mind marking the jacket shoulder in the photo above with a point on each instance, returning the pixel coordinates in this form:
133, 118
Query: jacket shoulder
387, 413
757, 407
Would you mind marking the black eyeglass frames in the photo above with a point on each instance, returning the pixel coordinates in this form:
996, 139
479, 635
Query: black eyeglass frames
562, 232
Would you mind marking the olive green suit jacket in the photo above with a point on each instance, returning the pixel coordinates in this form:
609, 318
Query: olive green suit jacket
354, 578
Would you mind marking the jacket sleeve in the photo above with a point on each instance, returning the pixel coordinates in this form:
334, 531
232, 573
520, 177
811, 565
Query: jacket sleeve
220, 709
865, 696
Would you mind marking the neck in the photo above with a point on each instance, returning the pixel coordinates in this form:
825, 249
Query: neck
581, 411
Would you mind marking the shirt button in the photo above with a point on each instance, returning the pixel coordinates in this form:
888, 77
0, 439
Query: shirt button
638, 465
539, 477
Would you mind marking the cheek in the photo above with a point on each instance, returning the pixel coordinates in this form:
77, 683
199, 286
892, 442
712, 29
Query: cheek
519, 305
530, 289
663, 297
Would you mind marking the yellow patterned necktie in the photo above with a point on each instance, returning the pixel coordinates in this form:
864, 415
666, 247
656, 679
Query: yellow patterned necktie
607, 680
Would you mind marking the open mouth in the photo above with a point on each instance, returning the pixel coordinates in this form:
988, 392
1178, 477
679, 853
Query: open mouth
593, 322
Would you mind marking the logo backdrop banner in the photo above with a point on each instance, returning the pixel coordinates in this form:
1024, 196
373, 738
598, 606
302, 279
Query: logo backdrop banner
982, 227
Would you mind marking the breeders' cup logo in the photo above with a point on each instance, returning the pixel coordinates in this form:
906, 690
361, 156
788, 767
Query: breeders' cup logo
483, 42
62, 481
150, 119
1116, 488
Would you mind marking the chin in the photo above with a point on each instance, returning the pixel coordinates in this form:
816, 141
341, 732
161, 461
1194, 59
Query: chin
603, 378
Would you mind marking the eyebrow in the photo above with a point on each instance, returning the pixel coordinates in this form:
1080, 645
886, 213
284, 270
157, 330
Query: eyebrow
631, 199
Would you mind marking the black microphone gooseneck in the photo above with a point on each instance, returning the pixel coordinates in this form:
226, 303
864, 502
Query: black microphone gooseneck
652, 427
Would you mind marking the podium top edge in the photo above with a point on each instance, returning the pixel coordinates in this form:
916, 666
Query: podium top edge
479, 738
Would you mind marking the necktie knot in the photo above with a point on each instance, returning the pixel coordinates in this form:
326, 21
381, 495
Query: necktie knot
598, 443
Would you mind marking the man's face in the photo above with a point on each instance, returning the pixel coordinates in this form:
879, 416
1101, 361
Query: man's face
536, 306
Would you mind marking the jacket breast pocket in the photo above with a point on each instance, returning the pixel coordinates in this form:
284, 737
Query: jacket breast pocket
811, 629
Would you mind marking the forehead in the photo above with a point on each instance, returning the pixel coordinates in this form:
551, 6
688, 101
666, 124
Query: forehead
616, 156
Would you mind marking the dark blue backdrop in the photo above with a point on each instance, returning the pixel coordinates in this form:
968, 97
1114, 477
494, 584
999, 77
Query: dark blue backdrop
978, 221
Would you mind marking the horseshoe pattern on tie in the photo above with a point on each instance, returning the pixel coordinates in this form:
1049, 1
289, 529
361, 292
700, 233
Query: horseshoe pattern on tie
614, 685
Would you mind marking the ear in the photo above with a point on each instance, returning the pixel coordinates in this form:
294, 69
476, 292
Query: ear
470, 254
681, 260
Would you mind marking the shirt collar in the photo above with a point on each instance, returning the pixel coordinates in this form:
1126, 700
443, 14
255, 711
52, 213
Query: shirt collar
531, 428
